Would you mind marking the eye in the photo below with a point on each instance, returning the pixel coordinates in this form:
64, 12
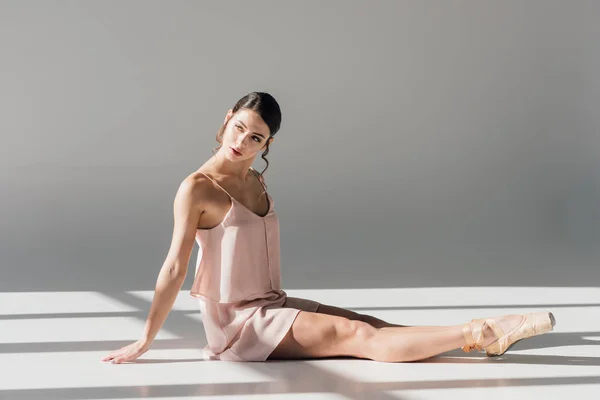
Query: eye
254, 137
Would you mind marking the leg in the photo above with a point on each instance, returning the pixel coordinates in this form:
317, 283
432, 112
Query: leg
317, 335
375, 322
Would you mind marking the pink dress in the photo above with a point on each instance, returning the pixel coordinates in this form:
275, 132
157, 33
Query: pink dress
238, 284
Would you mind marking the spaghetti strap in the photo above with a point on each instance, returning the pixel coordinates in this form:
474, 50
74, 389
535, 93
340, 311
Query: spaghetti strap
259, 178
217, 183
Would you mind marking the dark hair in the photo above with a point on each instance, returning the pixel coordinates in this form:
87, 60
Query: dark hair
264, 105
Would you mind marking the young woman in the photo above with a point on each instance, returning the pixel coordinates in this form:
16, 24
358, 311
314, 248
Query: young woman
224, 206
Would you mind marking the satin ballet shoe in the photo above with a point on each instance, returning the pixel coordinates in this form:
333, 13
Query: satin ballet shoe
532, 324
473, 334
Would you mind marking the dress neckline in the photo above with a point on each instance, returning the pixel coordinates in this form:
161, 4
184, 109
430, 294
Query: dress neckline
234, 200
269, 200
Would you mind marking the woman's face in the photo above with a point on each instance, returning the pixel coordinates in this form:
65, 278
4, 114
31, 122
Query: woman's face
246, 132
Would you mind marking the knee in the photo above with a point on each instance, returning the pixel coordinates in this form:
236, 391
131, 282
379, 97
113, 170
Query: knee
361, 330
352, 328
362, 338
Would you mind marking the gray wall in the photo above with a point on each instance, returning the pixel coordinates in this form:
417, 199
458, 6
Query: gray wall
424, 143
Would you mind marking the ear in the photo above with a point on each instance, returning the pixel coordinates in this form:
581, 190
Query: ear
228, 116
269, 141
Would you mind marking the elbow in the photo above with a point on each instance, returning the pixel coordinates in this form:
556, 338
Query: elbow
177, 272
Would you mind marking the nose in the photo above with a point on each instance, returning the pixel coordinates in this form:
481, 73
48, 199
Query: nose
240, 142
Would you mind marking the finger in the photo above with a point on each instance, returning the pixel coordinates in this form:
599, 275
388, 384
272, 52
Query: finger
113, 354
121, 359
108, 358
126, 357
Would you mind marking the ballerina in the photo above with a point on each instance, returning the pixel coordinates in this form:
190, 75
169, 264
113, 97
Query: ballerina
224, 206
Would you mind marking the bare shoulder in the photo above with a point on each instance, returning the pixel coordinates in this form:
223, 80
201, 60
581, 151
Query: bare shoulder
196, 189
188, 206
193, 194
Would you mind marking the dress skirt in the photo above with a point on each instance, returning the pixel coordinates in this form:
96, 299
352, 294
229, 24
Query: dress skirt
264, 328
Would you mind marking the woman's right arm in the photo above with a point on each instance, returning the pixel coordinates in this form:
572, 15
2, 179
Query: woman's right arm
187, 207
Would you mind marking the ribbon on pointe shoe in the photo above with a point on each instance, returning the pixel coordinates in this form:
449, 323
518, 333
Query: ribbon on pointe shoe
473, 334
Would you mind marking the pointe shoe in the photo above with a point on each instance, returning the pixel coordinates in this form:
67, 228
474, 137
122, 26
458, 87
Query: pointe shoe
533, 324
473, 334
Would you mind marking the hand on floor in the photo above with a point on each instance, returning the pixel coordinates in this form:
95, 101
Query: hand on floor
127, 353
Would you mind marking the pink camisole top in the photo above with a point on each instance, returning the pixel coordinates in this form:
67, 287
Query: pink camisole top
237, 270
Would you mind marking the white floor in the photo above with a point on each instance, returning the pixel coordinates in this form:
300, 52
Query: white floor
51, 343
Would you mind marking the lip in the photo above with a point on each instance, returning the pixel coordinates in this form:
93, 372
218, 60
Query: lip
237, 152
